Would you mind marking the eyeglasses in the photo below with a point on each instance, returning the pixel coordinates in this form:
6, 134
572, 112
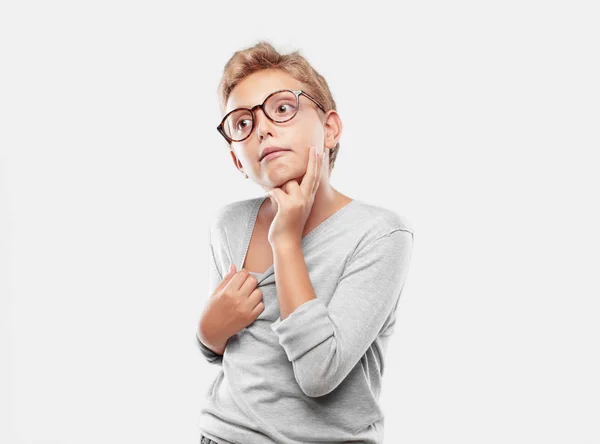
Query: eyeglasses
280, 106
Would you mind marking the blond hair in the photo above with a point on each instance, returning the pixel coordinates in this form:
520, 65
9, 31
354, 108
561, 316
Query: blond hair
264, 56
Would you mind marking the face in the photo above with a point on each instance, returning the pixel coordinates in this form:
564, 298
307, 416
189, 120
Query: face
310, 127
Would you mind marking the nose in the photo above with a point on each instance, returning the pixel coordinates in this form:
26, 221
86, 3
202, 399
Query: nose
263, 125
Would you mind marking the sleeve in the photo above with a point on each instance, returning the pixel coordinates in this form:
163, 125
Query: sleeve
325, 342
214, 278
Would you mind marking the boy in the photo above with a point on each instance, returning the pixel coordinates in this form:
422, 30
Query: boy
301, 339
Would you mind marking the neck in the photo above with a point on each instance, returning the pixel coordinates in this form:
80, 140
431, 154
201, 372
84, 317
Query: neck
327, 201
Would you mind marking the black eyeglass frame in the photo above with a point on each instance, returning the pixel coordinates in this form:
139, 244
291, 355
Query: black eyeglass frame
297, 93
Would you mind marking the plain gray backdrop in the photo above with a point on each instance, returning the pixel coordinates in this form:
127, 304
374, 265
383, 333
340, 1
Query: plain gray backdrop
478, 121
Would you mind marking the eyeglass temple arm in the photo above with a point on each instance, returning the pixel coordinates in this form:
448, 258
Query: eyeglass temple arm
311, 98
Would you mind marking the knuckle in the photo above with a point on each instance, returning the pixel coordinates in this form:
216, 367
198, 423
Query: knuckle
239, 310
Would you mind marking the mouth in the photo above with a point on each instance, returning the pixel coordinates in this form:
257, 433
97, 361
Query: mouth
274, 155
272, 152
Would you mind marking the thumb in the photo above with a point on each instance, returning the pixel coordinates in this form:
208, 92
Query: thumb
274, 194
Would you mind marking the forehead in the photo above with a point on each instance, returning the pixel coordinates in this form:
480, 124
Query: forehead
255, 88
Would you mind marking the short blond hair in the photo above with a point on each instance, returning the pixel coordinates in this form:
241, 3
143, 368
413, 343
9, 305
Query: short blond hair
264, 56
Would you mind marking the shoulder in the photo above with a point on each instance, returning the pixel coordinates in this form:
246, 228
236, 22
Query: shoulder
233, 210
233, 215
380, 227
376, 221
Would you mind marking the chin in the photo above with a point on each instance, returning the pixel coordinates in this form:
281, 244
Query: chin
282, 175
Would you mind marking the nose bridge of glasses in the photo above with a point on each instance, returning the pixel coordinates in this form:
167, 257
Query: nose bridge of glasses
255, 107
256, 121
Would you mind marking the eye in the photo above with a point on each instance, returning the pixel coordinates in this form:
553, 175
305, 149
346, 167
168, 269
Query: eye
285, 107
242, 123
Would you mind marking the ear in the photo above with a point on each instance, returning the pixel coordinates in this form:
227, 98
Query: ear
333, 129
237, 162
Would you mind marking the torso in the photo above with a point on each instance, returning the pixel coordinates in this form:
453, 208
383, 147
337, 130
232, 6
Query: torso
259, 257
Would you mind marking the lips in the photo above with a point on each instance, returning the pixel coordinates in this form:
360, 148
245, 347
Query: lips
271, 149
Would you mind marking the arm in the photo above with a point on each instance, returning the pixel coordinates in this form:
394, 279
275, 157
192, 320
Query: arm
214, 357
325, 342
214, 353
291, 277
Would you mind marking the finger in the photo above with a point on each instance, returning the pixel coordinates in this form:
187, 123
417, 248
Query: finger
248, 285
293, 189
321, 158
317, 175
309, 177
254, 298
226, 278
289, 186
275, 193
237, 280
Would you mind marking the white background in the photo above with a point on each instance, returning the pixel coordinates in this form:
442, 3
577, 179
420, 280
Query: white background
478, 121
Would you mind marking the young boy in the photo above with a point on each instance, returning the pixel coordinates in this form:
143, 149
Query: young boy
304, 281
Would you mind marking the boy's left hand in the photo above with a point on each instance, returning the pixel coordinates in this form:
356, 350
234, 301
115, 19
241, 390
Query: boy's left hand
294, 202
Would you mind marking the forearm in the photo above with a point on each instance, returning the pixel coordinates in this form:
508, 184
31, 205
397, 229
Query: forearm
291, 276
211, 340
323, 341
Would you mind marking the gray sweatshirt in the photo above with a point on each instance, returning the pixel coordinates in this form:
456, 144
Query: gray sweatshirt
316, 376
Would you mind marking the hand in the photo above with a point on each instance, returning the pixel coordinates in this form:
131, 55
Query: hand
234, 304
294, 201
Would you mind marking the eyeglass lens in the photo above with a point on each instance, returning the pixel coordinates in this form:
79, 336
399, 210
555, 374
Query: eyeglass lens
280, 107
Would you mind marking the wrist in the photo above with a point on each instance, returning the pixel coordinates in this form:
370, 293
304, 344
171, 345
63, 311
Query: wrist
282, 243
211, 341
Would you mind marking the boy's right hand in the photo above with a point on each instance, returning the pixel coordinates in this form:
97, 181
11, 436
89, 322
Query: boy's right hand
234, 304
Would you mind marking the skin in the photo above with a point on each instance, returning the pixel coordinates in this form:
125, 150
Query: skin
297, 182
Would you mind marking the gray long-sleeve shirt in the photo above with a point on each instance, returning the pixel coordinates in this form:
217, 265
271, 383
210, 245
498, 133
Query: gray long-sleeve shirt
316, 376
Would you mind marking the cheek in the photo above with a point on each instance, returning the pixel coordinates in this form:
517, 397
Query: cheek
244, 154
308, 133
